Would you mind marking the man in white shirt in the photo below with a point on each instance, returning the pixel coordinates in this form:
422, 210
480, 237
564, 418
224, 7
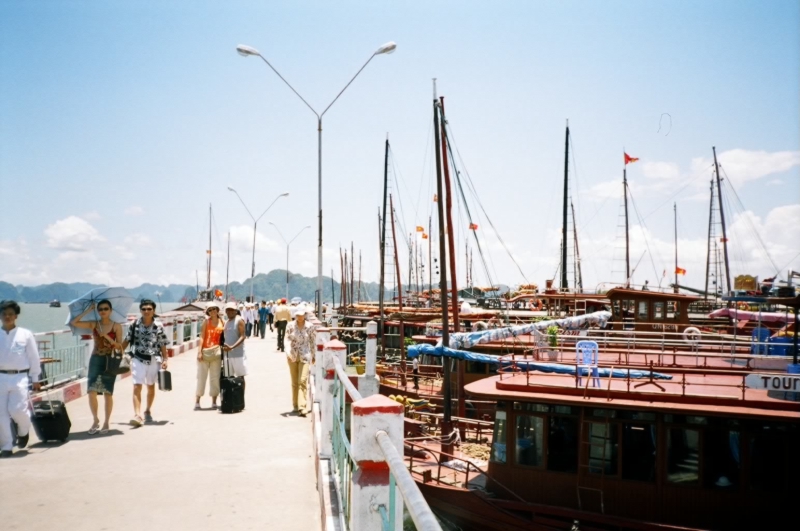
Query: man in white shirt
19, 361
248, 319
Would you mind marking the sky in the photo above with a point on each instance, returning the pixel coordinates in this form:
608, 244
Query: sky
120, 122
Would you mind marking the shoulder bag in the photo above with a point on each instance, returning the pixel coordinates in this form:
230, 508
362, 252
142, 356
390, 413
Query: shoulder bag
118, 362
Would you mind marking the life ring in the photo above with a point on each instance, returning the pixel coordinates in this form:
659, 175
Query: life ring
537, 305
743, 306
692, 335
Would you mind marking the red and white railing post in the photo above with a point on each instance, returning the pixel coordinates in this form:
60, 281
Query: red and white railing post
368, 384
332, 349
323, 335
370, 482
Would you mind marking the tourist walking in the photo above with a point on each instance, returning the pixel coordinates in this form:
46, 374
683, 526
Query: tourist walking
107, 337
301, 355
234, 336
271, 314
248, 319
209, 358
19, 364
415, 372
262, 318
149, 352
282, 317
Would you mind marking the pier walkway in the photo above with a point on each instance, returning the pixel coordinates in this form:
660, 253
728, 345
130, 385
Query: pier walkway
188, 470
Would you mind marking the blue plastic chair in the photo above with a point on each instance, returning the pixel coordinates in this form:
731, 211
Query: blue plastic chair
760, 338
586, 357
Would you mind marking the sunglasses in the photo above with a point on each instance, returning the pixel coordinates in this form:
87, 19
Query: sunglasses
104, 309
147, 309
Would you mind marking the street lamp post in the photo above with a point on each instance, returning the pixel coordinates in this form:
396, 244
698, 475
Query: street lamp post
255, 224
246, 51
287, 251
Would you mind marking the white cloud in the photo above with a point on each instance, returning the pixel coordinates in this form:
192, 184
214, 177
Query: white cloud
92, 215
242, 240
741, 165
662, 171
775, 182
71, 234
138, 239
134, 211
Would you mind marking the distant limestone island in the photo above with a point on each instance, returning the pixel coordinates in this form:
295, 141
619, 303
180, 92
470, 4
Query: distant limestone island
267, 286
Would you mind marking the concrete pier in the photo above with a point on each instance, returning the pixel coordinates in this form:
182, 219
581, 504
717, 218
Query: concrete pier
188, 470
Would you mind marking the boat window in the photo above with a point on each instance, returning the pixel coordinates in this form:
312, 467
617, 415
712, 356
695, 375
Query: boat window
683, 456
562, 444
628, 308
530, 432
685, 419
642, 313
768, 460
635, 415
527, 406
499, 438
616, 308
603, 448
564, 410
604, 413
671, 310
721, 459
658, 310
639, 452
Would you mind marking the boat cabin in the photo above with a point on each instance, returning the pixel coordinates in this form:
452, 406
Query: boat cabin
649, 310
703, 451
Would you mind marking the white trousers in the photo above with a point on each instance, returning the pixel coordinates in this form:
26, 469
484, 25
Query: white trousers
208, 370
13, 406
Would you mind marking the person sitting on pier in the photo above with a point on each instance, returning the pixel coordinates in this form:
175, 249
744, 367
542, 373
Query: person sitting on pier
107, 336
19, 362
149, 342
302, 345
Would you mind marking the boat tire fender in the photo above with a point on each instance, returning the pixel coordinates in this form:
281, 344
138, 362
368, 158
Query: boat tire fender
692, 335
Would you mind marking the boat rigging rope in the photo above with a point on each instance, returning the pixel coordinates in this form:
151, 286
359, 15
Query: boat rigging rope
643, 228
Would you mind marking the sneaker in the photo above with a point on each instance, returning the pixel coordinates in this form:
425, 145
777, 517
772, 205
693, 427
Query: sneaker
197, 407
148, 418
6, 453
22, 440
136, 421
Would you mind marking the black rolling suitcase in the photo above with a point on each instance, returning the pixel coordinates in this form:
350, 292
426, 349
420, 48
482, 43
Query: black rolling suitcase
51, 420
231, 389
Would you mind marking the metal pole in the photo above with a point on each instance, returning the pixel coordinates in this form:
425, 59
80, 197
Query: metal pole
319, 202
253, 270
724, 230
627, 235
287, 271
708, 252
564, 280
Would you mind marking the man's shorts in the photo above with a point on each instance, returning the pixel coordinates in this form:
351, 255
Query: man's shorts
144, 374
236, 366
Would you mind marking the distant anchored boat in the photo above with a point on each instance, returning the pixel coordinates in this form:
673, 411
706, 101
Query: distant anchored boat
55, 303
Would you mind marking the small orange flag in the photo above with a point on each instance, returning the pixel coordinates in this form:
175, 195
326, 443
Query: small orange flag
420, 229
424, 236
473, 226
723, 240
680, 271
629, 159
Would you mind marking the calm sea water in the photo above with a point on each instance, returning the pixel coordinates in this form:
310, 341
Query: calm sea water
43, 318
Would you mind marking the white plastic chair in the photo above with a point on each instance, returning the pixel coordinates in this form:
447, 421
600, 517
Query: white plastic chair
586, 353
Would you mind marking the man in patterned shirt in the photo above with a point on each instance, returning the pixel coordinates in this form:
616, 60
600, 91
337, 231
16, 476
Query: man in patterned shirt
149, 353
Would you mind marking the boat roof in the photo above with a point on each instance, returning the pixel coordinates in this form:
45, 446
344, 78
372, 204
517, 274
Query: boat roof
687, 393
626, 293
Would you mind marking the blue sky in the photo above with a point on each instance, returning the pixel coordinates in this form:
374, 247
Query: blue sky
121, 121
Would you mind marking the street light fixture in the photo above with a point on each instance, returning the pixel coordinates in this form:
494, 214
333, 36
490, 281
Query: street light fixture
255, 224
287, 251
247, 51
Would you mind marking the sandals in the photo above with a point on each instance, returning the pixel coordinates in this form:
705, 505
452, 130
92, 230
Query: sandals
104, 431
197, 407
94, 429
137, 421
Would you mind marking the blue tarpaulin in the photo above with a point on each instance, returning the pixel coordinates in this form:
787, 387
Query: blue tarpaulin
558, 368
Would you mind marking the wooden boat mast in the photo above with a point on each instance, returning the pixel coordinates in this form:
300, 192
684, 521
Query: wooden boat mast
451, 243
396, 259
564, 280
627, 235
675, 223
722, 220
447, 409
382, 287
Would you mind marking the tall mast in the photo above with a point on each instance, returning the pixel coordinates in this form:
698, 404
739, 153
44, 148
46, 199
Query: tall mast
396, 259
352, 273
228, 267
382, 288
447, 409
359, 275
724, 230
708, 251
627, 236
208, 275
564, 280
430, 260
578, 273
451, 241
675, 222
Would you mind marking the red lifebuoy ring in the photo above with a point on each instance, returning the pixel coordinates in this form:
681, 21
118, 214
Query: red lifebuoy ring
743, 306
539, 305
